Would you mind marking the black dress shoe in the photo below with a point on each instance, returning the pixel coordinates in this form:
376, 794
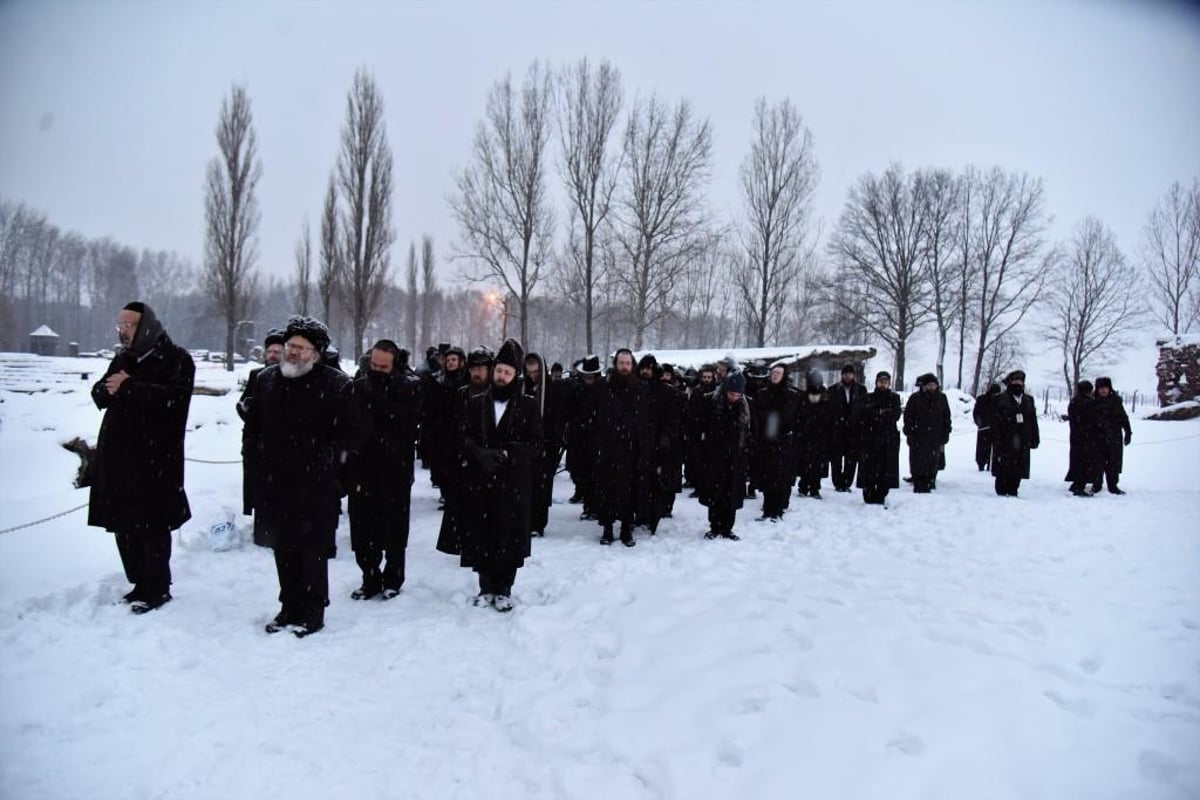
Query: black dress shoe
366, 591
141, 605
711, 535
303, 629
607, 536
1115, 490
731, 536
627, 539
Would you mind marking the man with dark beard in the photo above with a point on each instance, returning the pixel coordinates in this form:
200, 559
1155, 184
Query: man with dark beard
694, 421
272, 355
926, 429
479, 378
1016, 434
727, 434
547, 396
299, 432
874, 416
619, 418
384, 404
581, 454
502, 441
812, 436
439, 426
137, 487
773, 453
843, 456
1113, 433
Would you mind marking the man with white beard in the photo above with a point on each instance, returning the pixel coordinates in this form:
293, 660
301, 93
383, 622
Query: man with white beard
298, 431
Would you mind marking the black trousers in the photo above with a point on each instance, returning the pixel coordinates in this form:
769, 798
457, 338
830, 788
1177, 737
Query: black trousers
875, 495
497, 581
303, 582
146, 557
543, 490
983, 449
721, 516
1006, 486
842, 467
811, 482
923, 484
775, 500
370, 560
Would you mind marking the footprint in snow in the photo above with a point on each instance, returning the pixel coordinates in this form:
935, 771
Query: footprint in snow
1080, 706
1157, 767
730, 754
1091, 665
908, 743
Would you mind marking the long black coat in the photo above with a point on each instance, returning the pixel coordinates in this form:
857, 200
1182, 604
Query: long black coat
577, 437
384, 410
695, 419
619, 419
727, 436
243, 404
984, 415
1016, 434
927, 429
498, 507
439, 431
137, 481
1112, 423
773, 450
1084, 463
299, 432
841, 412
454, 493
875, 416
814, 436
666, 436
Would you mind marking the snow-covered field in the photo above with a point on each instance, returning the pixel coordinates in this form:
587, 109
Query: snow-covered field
955, 645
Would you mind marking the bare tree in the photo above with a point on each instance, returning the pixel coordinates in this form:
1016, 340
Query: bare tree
364, 171
940, 200
232, 216
660, 208
779, 176
1005, 255
504, 214
331, 254
880, 241
590, 103
428, 289
1171, 254
303, 254
1094, 300
1004, 354
412, 299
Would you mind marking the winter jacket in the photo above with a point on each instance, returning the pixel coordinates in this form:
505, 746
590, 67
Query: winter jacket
927, 430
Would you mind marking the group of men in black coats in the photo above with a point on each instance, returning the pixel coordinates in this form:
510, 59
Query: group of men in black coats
1100, 430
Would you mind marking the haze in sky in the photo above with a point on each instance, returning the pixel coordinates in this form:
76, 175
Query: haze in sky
107, 109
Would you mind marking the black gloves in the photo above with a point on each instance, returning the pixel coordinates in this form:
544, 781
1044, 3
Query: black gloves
1128, 437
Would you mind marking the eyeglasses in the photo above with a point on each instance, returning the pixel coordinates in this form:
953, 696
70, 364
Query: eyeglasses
298, 348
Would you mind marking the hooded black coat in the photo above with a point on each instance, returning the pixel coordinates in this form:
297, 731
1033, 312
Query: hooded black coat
619, 419
727, 436
384, 411
874, 417
498, 503
1112, 423
299, 432
1084, 464
137, 471
773, 450
1016, 434
927, 430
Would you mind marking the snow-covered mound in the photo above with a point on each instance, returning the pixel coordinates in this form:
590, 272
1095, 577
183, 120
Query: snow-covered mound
954, 645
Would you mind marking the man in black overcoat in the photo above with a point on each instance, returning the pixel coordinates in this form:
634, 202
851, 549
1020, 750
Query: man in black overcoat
137, 486
439, 434
1113, 433
927, 430
502, 443
300, 432
665, 421
984, 415
548, 396
1016, 434
843, 456
695, 418
479, 378
727, 434
272, 355
773, 448
384, 406
875, 415
813, 436
581, 456
1083, 467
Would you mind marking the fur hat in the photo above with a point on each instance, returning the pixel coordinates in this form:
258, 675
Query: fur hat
590, 365
1104, 383
648, 361
274, 336
453, 350
1083, 388
481, 357
512, 354
735, 382
928, 377
1015, 375
310, 329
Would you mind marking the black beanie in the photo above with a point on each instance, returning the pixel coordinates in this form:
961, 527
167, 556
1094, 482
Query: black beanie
648, 361
136, 306
512, 354
1104, 383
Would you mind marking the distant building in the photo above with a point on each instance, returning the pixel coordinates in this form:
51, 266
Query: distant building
43, 342
825, 359
1178, 369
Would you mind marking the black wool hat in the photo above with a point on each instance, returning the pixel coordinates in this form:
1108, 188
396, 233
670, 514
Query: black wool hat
1102, 383
1084, 387
481, 357
512, 354
849, 368
883, 374
590, 365
443, 347
136, 306
454, 350
648, 361
928, 377
1015, 375
274, 336
736, 382
310, 329
388, 346
556, 367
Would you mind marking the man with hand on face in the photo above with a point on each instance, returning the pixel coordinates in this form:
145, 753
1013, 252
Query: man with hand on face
384, 404
272, 355
1015, 419
299, 431
502, 440
874, 417
137, 486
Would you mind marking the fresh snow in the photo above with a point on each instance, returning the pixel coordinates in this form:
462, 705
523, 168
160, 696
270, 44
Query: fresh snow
954, 645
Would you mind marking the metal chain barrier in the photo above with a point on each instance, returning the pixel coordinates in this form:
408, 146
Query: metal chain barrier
46, 519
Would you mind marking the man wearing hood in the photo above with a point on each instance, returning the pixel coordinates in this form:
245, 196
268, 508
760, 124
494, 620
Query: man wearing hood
1113, 433
272, 355
1016, 434
384, 404
728, 436
844, 449
300, 432
547, 395
926, 429
137, 488
813, 423
502, 442
874, 416
773, 454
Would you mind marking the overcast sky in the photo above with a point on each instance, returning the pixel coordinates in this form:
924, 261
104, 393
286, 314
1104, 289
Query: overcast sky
107, 109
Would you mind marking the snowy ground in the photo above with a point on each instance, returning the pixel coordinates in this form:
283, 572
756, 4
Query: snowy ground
955, 645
